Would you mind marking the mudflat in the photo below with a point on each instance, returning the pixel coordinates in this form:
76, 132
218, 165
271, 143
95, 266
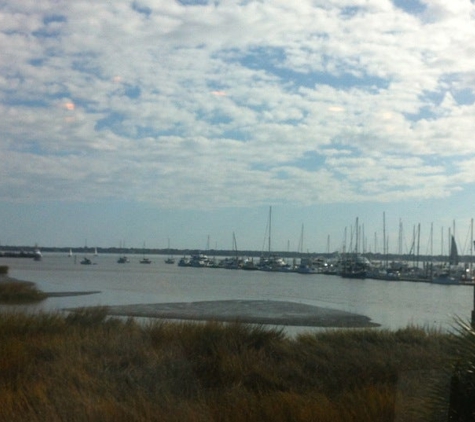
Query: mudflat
247, 311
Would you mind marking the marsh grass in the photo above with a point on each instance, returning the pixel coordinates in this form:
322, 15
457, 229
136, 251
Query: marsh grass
88, 367
15, 292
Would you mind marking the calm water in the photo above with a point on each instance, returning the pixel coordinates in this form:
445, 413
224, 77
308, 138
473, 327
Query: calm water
391, 304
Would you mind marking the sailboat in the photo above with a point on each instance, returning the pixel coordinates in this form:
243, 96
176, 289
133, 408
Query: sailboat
37, 254
272, 262
122, 259
144, 260
70, 254
170, 259
450, 274
353, 264
232, 263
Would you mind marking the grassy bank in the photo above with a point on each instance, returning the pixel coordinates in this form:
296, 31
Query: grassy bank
85, 367
17, 292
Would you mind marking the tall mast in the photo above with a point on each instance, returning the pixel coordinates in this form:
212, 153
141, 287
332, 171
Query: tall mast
356, 235
270, 227
301, 241
471, 245
431, 240
399, 239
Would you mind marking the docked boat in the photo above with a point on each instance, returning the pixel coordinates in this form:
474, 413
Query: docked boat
306, 269
37, 255
451, 272
273, 263
446, 277
199, 260
270, 261
249, 265
354, 265
230, 263
184, 262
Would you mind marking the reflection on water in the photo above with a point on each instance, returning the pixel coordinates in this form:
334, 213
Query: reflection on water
392, 304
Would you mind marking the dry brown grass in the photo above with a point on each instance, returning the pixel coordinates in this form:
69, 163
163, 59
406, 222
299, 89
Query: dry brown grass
86, 367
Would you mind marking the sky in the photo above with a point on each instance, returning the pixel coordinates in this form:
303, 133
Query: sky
184, 121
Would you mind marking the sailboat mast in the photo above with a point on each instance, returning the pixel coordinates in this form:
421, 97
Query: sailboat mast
471, 245
270, 227
301, 241
356, 235
418, 241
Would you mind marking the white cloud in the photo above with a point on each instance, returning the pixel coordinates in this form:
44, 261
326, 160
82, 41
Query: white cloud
194, 105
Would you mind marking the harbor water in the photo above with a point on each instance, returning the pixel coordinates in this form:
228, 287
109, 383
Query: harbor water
392, 304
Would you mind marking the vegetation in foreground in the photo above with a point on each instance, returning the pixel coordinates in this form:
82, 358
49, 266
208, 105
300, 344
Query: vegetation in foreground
87, 367
14, 292
18, 292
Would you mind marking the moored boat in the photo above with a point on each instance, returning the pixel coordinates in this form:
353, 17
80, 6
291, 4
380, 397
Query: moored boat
37, 255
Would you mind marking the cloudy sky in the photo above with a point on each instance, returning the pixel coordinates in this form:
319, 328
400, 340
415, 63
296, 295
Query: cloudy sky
140, 121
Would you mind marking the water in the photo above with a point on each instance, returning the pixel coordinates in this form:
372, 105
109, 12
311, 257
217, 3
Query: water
392, 304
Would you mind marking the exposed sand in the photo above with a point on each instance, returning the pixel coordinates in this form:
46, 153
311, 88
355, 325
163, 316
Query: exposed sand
247, 311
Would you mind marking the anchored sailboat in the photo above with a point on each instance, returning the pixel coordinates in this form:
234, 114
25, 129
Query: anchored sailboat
144, 260
170, 259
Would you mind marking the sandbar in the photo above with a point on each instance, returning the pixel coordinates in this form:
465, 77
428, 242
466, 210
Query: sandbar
247, 311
